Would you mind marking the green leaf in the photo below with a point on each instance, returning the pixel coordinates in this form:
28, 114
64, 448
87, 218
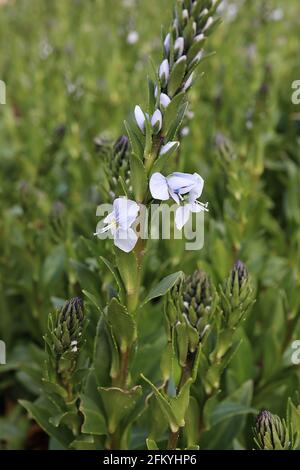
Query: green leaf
116, 276
136, 141
94, 421
53, 266
177, 75
118, 404
41, 412
122, 323
163, 286
92, 299
229, 409
193, 419
165, 405
151, 444
171, 112
102, 354
128, 269
227, 424
174, 408
83, 443
138, 177
177, 123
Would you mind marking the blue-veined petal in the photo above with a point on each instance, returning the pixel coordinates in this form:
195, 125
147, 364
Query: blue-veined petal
159, 187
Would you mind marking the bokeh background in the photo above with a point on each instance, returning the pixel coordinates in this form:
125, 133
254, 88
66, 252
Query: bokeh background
74, 70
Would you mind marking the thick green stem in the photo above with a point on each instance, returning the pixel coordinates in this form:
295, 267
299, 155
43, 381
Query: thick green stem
173, 440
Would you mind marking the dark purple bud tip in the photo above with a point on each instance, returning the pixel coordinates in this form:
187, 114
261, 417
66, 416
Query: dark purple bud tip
77, 302
239, 270
121, 144
264, 418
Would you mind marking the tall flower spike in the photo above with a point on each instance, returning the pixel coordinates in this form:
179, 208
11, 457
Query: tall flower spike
119, 165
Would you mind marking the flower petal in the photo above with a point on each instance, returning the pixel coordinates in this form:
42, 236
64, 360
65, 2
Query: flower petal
182, 216
182, 183
125, 239
126, 211
159, 187
196, 191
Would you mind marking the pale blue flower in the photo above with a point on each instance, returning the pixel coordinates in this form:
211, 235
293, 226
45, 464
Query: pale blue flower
119, 223
183, 188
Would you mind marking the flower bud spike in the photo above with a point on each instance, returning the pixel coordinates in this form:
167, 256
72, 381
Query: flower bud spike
272, 433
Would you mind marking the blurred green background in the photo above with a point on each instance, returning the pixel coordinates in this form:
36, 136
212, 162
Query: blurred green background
73, 70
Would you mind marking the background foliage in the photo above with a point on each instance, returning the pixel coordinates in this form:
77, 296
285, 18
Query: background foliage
72, 78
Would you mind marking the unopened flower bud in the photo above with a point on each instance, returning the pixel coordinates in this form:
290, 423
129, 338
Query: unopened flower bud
164, 100
156, 121
179, 47
164, 73
67, 328
140, 118
167, 43
240, 273
272, 433
237, 295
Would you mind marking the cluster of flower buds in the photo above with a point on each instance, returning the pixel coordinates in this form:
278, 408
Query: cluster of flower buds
182, 52
119, 163
189, 308
272, 433
64, 336
183, 45
237, 295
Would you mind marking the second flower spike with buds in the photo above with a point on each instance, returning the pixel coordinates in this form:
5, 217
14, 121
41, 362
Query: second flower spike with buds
63, 340
272, 433
237, 295
190, 306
